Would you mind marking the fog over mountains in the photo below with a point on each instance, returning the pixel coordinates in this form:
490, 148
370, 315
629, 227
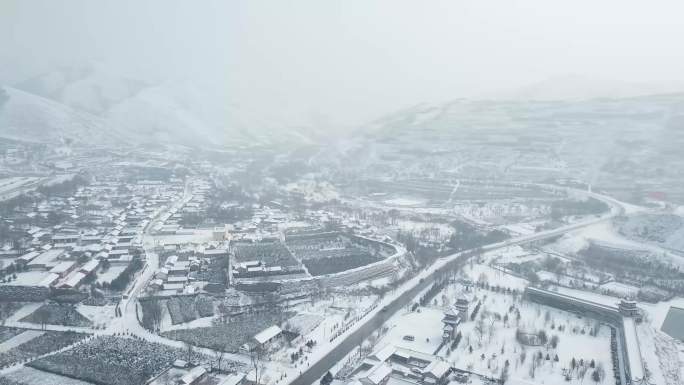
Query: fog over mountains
93, 104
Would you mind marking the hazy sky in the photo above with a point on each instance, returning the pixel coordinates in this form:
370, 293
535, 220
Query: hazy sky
347, 61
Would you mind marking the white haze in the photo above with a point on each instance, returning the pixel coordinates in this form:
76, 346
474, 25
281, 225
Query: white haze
342, 63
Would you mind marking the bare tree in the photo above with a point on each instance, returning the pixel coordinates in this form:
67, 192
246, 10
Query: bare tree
224, 312
189, 351
155, 312
581, 373
491, 317
5, 309
480, 329
42, 316
219, 355
256, 357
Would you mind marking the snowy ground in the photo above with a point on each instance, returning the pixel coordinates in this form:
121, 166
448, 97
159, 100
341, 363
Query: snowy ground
498, 343
425, 229
606, 232
589, 296
515, 254
620, 288
111, 273
198, 236
522, 228
494, 277
24, 311
19, 339
30, 376
100, 316
656, 313
424, 326
406, 202
659, 353
28, 278
324, 319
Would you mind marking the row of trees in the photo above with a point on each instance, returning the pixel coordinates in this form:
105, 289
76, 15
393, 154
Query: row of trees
68, 187
121, 282
567, 207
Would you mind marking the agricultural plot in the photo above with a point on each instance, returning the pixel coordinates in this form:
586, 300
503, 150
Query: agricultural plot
204, 306
226, 337
23, 337
186, 309
20, 293
7, 333
45, 343
181, 309
306, 246
7, 309
339, 263
111, 360
54, 314
268, 253
332, 252
9, 381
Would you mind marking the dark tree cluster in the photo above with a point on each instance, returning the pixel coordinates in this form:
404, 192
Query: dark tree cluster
467, 237
567, 207
121, 282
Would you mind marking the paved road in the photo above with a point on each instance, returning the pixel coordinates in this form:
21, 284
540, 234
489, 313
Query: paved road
317, 370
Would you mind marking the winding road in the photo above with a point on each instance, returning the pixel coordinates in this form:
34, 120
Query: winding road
412, 288
399, 299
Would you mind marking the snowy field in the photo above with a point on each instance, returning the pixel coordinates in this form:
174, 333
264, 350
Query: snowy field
660, 355
100, 316
494, 277
621, 288
489, 340
111, 273
422, 331
514, 254
425, 327
28, 278
167, 325
19, 339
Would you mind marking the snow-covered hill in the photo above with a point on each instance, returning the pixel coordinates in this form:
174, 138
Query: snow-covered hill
94, 88
580, 87
166, 112
28, 117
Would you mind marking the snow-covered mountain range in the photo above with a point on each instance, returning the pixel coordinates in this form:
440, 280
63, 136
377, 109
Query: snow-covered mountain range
95, 105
